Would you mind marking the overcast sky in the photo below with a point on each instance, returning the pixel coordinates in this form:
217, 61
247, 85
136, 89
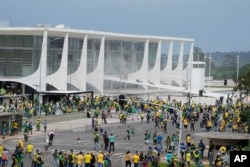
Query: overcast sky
215, 25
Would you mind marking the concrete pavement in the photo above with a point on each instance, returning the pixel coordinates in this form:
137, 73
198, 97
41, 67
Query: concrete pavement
59, 123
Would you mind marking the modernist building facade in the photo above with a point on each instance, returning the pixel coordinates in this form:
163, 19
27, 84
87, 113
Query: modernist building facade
47, 58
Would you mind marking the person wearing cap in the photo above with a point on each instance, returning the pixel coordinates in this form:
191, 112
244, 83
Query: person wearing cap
100, 159
29, 150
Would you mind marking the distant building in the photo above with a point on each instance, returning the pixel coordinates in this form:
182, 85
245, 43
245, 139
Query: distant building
47, 58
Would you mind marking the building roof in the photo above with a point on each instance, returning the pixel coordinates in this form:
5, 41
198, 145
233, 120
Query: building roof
76, 33
223, 135
223, 138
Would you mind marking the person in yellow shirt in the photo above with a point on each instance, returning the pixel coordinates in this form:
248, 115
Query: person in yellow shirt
87, 159
188, 158
127, 159
20, 143
185, 123
71, 158
35, 156
38, 123
222, 125
29, 150
1, 151
188, 140
142, 116
100, 159
15, 127
136, 159
209, 125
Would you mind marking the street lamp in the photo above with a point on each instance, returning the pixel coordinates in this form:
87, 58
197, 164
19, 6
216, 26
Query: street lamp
209, 68
180, 134
209, 71
40, 71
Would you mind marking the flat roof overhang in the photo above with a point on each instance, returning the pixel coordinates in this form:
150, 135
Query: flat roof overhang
223, 138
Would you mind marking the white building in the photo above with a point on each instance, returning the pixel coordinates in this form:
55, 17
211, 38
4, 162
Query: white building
46, 59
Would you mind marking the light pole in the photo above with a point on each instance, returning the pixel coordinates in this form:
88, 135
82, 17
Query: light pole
237, 75
40, 73
209, 71
237, 69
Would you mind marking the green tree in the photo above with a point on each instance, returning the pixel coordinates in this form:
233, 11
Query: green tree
245, 117
198, 54
243, 83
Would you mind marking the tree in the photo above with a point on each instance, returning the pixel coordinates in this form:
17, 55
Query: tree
243, 83
198, 54
245, 117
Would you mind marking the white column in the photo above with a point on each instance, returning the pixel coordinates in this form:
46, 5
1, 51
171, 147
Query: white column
43, 63
154, 74
79, 76
96, 78
59, 78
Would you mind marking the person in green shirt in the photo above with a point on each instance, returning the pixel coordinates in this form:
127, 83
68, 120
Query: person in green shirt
61, 158
96, 140
40, 159
56, 158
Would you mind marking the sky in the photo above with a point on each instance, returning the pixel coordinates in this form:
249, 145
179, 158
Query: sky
215, 25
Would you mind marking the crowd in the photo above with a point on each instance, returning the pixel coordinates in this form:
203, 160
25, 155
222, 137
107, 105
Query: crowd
66, 104
219, 117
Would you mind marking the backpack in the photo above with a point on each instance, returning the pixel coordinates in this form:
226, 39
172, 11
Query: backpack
51, 136
30, 126
70, 157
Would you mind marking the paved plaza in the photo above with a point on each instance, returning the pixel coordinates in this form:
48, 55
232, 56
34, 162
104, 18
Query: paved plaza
67, 131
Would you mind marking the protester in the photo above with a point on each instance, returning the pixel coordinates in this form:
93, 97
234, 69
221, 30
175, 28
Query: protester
45, 125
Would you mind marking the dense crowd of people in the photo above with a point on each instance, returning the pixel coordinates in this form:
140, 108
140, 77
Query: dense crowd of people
219, 117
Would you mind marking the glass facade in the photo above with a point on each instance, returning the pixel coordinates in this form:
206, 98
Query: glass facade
122, 57
152, 50
93, 49
74, 54
19, 55
54, 54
